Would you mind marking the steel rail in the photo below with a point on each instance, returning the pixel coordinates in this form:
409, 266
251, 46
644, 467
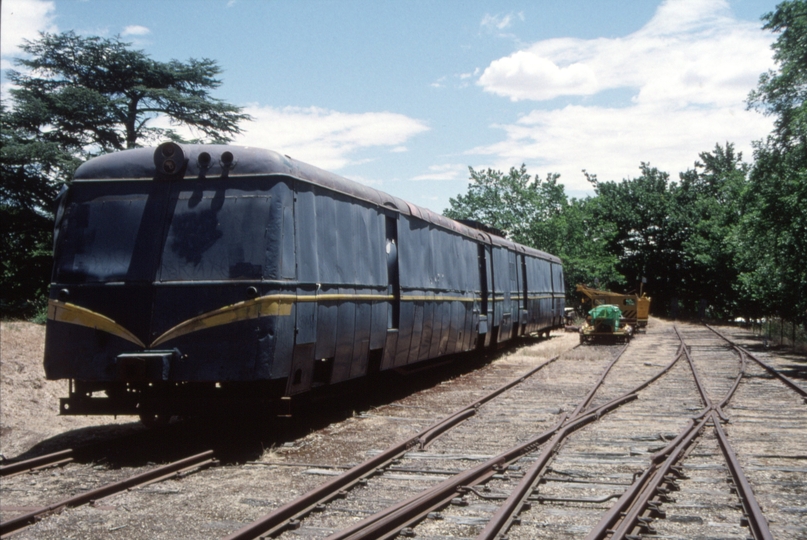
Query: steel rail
505, 515
276, 521
87, 451
538, 498
756, 519
659, 476
736, 384
786, 380
391, 520
701, 390
198, 460
48, 460
603, 528
406, 510
635, 502
587, 400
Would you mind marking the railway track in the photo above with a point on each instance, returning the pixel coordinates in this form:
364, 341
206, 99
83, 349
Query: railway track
584, 445
515, 479
532, 413
175, 469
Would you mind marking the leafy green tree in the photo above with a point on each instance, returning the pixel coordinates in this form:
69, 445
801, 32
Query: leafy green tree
772, 234
95, 94
708, 202
646, 233
781, 92
30, 171
78, 97
773, 230
584, 247
537, 213
508, 202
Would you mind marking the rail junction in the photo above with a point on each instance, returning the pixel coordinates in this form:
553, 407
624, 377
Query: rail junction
682, 433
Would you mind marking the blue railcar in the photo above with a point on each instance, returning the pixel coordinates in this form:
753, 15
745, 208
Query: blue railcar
189, 277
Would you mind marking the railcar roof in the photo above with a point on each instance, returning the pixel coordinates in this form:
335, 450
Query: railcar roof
139, 164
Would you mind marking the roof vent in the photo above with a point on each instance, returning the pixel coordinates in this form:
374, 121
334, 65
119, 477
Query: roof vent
227, 160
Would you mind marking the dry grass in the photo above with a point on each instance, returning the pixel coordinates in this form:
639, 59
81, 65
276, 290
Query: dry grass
29, 404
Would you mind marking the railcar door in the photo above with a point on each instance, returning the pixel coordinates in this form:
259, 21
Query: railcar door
393, 292
485, 288
523, 300
558, 294
514, 294
504, 277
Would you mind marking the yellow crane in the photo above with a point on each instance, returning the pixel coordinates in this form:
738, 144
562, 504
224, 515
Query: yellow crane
634, 308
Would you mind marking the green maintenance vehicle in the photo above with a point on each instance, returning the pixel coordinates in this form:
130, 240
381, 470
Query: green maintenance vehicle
602, 326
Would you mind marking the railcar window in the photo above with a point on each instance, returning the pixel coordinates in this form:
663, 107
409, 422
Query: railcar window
97, 238
218, 236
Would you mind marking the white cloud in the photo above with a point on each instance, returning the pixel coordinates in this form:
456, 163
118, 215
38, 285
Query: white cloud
498, 22
688, 70
528, 75
613, 142
136, 30
449, 171
691, 50
325, 138
23, 19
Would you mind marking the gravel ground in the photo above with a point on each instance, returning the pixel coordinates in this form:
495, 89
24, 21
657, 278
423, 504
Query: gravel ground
213, 502
268, 465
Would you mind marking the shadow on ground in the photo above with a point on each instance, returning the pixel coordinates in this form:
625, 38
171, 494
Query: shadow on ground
245, 437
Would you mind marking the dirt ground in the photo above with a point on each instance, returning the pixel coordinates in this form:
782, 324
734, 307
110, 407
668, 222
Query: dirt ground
29, 404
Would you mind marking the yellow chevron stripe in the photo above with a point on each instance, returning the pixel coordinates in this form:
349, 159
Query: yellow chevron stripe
73, 314
265, 306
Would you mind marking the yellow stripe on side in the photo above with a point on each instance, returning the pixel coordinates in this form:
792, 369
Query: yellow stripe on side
336, 297
265, 306
421, 298
73, 314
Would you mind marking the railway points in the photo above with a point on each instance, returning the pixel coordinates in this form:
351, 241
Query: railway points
569, 488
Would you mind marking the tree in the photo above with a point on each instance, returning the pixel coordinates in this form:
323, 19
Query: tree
708, 202
771, 234
509, 202
584, 247
772, 230
781, 93
95, 94
537, 213
646, 233
76, 98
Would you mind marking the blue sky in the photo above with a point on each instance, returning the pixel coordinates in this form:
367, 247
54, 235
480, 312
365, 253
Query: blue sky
405, 95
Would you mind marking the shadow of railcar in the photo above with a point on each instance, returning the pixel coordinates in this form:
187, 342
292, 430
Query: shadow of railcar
245, 434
